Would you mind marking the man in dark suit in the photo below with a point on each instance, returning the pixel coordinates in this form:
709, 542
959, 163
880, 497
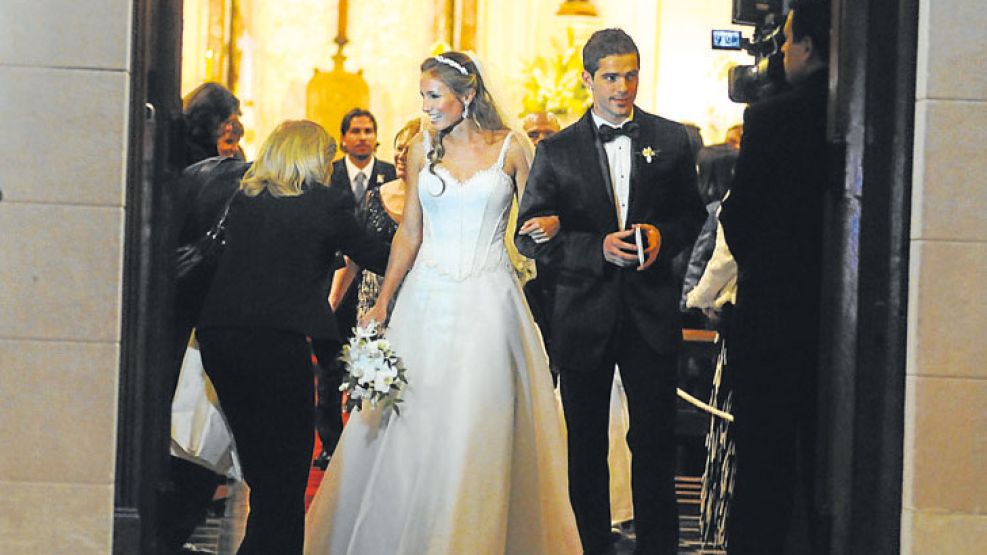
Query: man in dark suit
358, 133
616, 169
772, 221
358, 172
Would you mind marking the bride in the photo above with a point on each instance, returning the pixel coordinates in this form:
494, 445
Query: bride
474, 463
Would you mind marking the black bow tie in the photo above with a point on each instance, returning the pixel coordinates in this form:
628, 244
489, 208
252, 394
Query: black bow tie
608, 133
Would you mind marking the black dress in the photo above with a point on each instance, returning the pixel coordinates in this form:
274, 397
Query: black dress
379, 225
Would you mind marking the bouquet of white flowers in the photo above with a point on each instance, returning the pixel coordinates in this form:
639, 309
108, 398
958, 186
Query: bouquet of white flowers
374, 372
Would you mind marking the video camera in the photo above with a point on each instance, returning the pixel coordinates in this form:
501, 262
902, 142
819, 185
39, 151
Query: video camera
766, 76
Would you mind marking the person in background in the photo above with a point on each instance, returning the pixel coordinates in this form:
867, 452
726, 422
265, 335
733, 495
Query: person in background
696, 142
358, 172
228, 145
208, 112
384, 206
210, 120
773, 224
539, 125
268, 296
715, 174
681, 262
730, 144
734, 135
360, 169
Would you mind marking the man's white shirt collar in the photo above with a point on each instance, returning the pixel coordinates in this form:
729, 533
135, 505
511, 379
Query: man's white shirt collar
352, 170
598, 121
619, 159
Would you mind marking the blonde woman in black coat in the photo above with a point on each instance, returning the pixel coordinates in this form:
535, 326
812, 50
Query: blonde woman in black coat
268, 295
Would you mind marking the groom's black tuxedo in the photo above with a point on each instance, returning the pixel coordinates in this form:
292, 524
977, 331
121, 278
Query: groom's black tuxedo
570, 178
604, 315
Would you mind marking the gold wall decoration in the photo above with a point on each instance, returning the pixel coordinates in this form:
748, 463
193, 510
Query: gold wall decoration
206, 40
466, 25
577, 7
330, 94
443, 26
454, 23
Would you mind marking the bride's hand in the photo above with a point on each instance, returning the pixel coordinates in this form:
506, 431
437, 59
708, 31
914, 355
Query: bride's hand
541, 228
378, 313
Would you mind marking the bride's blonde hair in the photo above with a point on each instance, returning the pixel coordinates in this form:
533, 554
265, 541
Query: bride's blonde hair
296, 155
458, 72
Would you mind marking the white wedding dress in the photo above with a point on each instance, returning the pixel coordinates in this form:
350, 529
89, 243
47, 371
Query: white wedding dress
474, 463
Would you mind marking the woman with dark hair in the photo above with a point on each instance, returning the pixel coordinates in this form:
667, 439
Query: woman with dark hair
475, 462
268, 295
209, 112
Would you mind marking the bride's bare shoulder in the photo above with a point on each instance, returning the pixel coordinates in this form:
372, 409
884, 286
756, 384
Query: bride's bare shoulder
416, 149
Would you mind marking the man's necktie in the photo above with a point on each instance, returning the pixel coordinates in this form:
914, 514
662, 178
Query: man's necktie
608, 133
360, 188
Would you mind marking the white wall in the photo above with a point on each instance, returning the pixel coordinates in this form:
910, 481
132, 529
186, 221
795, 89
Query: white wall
64, 74
944, 490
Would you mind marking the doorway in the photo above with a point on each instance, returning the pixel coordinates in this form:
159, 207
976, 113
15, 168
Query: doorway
143, 414
859, 487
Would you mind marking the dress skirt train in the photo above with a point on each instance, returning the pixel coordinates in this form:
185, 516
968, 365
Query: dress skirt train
475, 462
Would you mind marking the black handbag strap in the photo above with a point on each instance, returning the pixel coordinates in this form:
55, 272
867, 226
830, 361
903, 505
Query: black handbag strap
220, 224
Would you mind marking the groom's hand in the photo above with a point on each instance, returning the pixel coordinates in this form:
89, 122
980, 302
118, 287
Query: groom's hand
541, 229
619, 252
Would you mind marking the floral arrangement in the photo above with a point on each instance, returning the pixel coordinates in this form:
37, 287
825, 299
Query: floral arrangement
553, 84
374, 373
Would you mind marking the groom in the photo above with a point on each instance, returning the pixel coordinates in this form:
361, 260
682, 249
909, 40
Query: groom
615, 169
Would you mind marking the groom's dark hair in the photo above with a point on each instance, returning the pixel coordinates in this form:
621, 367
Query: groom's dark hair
607, 42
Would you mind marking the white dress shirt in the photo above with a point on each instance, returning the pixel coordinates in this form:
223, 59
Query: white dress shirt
352, 171
619, 157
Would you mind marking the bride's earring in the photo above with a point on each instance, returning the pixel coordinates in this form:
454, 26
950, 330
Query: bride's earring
466, 110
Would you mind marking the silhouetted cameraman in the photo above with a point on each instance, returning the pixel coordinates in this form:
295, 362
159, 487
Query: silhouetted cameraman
772, 221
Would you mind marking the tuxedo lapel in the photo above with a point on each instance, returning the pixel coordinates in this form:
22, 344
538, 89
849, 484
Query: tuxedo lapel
645, 138
593, 158
374, 180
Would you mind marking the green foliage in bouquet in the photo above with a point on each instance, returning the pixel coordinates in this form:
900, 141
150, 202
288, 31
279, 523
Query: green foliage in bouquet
553, 83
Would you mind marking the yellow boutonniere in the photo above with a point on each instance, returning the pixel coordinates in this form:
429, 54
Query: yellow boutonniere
649, 153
